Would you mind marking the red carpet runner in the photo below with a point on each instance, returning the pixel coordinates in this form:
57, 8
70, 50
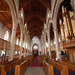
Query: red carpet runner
35, 63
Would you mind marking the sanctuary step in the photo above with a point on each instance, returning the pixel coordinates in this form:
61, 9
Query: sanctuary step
34, 71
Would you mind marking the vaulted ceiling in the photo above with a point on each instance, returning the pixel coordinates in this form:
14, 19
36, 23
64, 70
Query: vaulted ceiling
35, 15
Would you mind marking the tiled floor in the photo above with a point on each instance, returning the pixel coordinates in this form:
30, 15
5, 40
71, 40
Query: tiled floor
34, 71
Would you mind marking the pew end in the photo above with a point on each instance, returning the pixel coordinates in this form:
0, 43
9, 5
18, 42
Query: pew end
17, 70
3, 72
51, 72
65, 70
48, 69
20, 69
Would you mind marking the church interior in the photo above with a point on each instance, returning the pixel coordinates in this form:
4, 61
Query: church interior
37, 37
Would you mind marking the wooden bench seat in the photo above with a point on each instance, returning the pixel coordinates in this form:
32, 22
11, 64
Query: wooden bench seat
16, 57
40, 59
20, 69
54, 68
59, 69
71, 67
48, 68
69, 62
30, 59
7, 69
10, 68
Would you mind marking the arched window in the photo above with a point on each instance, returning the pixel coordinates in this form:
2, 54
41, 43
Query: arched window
2, 53
23, 44
59, 39
35, 47
17, 42
6, 36
26, 45
15, 52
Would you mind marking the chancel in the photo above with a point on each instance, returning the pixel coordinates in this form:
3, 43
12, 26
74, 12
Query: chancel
37, 37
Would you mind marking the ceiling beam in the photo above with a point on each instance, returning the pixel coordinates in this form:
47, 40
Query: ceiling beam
46, 4
35, 14
35, 27
35, 34
1, 10
31, 25
35, 31
35, 21
24, 3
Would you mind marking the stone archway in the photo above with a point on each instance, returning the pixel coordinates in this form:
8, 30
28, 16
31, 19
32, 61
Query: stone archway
35, 49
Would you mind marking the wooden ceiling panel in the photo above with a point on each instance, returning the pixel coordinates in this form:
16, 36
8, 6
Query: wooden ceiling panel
35, 14
6, 17
34, 6
4, 6
2, 18
35, 34
30, 26
35, 28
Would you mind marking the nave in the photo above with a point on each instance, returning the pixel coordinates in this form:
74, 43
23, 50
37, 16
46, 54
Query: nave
35, 68
37, 35
41, 66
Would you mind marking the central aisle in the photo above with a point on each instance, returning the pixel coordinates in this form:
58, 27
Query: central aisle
35, 63
35, 68
35, 71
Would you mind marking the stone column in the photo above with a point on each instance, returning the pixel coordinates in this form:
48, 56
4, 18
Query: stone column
49, 45
25, 46
12, 45
58, 53
21, 44
42, 42
45, 40
42, 45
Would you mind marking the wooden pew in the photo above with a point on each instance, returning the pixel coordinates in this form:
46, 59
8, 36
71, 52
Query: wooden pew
10, 68
69, 62
40, 59
0, 69
30, 59
48, 68
16, 57
71, 67
59, 69
20, 69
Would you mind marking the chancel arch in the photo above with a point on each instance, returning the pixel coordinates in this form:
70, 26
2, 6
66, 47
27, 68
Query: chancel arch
37, 41
35, 49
